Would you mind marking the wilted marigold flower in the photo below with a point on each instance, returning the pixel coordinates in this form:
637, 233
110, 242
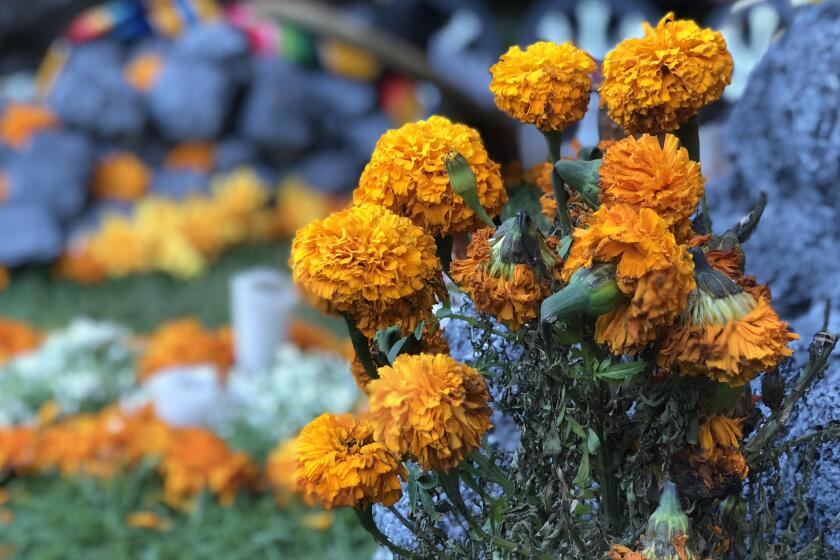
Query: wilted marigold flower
652, 270
431, 408
197, 460
121, 176
547, 84
728, 334
341, 465
658, 82
16, 338
642, 172
717, 462
186, 342
407, 174
500, 277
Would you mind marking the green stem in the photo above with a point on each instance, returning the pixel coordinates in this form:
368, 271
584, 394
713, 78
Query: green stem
451, 484
554, 139
444, 252
689, 135
609, 486
361, 347
366, 520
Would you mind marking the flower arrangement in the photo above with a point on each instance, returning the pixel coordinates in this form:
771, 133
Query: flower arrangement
609, 325
186, 342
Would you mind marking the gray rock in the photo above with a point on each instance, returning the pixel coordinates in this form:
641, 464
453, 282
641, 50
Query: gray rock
334, 97
52, 172
361, 135
234, 152
90, 93
219, 43
331, 171
28, 233
179, 184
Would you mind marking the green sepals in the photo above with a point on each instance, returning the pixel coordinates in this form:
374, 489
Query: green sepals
519, 241
583, 176
664, 525
591, 292
462, 179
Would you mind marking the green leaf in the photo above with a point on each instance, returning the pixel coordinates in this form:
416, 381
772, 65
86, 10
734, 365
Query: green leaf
621, 371
582, 477
564, 246
592, 442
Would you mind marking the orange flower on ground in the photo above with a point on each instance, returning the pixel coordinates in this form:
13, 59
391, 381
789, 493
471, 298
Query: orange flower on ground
117, 247
658, 82
298, 205
430, 407
547, 84
341, 465
197, 460
652, 270
80, 266
4, 278
407, 175
367, 262
18, 450
281, 470
502, 282
148, 520
643, 172
192, 156
20, 121
186, 342
17, 338
142, 71
121, 176
727, 333
79, 444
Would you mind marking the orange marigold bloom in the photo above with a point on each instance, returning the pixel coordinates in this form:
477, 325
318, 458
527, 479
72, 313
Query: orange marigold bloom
4, 278
717, 461
651, 269
186, 342
80, 266
407, 312
142, 71
197, 460
658, 82
193, 156
621, 552
341, 465
368, 262
505, 286
281, 470
547, 84
307, 336
19, 121
121, 176
430, 407
643, 172
18, 450
297, 205
147, 520
727, 334
407, 175
17, 337
118, 247
79, 444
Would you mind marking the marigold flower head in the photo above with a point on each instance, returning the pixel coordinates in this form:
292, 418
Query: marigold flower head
281, 469
506, 286
198, 460
297, 205
363, 260
643, 172
658, 82
4, 278
121, 176
17, 448
547, 84
192, 156
430, 407
717, 462
20, 121
147, 520
79, 265
341, 465
186, 342
727, 333
16, 338
407, 175
407, 312
143, 70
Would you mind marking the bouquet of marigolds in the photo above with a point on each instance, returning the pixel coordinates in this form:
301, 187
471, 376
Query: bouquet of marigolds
612, 337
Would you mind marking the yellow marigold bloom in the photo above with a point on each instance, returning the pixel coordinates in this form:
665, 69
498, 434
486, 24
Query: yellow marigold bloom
341, 465
186, 342
196, 461
193, 156
430, 407
297, 205
651, 269
16, 338
720, 431
658, 82
363, 261
20, 121
407, 175
121, 176
643, 172
281, 470
142, 71
717, 461
506, 288
147, 520
118, 247
547, 84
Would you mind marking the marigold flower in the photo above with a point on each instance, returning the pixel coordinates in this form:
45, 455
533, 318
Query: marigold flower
430, 407
505, 286
118, 247
340, 464
20, 121
651, 269
727, 333
366, 261
645, 173
197, 460
407, 312
186, 342
16, 338
297, 205
308, 336
407, 175
281, 470
121, 176
4, 278
79, 444
142, 71
192, 156
147, 520
717, 462
658, 82
547, 84
79, 265
18, 448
